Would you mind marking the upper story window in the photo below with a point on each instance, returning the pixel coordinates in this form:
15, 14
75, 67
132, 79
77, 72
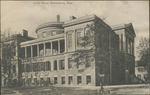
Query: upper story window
70, 63
55, 65
87, 30
69, 40
78, 36
44, 34
53, 33
61, 64
14, 68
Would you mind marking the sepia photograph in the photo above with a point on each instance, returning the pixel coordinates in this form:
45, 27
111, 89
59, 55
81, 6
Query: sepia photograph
75, 48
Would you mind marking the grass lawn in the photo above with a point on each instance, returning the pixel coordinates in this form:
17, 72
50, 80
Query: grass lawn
55, 91
118, 90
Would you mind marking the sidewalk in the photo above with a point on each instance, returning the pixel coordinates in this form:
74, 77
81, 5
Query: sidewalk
109, 87
117, 86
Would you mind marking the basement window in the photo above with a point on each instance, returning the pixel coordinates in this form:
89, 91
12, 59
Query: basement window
55, 80
62, 80
88, 79
70, 80
79, 80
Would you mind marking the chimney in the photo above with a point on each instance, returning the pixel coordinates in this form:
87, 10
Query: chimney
25, 33
72, 17
58, 18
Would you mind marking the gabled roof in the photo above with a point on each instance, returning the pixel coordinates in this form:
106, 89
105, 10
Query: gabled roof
128, 26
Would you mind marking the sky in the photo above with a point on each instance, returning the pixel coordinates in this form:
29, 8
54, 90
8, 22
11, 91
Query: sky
28, 15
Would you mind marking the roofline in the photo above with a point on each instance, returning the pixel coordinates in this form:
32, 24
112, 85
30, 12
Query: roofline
41, 40
50, 24
80, 20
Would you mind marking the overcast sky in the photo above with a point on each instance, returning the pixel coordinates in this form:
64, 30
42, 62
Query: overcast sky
18, 15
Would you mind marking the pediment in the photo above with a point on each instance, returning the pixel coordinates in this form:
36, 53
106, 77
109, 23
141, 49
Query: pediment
130, 28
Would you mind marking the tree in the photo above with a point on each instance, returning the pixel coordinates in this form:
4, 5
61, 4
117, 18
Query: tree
99, 45
144, 54
7, 57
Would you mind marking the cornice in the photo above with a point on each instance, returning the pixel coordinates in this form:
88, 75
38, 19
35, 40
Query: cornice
79, 20
37, 41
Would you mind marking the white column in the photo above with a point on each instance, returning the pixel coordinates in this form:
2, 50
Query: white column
31, 51
133, 47
66, 42
44, 49
124, 43
25, 52
58, 46
51, 48
37, 50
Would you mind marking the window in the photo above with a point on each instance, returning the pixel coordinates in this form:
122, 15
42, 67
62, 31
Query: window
55, 80
42, 66
55, 65
78, 38
48, 80
62, 46
41, 49
62, 80
48, 48
22, 52
79, 80
87, 30
53, 33
61, 64
14, 68
55, 47
35, 66
44, 34
69, 40
47, 65
29, 80
39, 66
28, 51
34, 50
69, 63
70, 80
23, 67
27, 67
88, 79
35, 80
41, 81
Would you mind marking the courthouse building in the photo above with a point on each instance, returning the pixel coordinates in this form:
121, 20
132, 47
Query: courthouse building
49, 56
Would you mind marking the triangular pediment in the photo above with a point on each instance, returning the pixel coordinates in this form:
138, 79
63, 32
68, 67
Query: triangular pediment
130, 28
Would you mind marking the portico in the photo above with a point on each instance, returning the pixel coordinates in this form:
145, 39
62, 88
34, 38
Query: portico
44, 48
